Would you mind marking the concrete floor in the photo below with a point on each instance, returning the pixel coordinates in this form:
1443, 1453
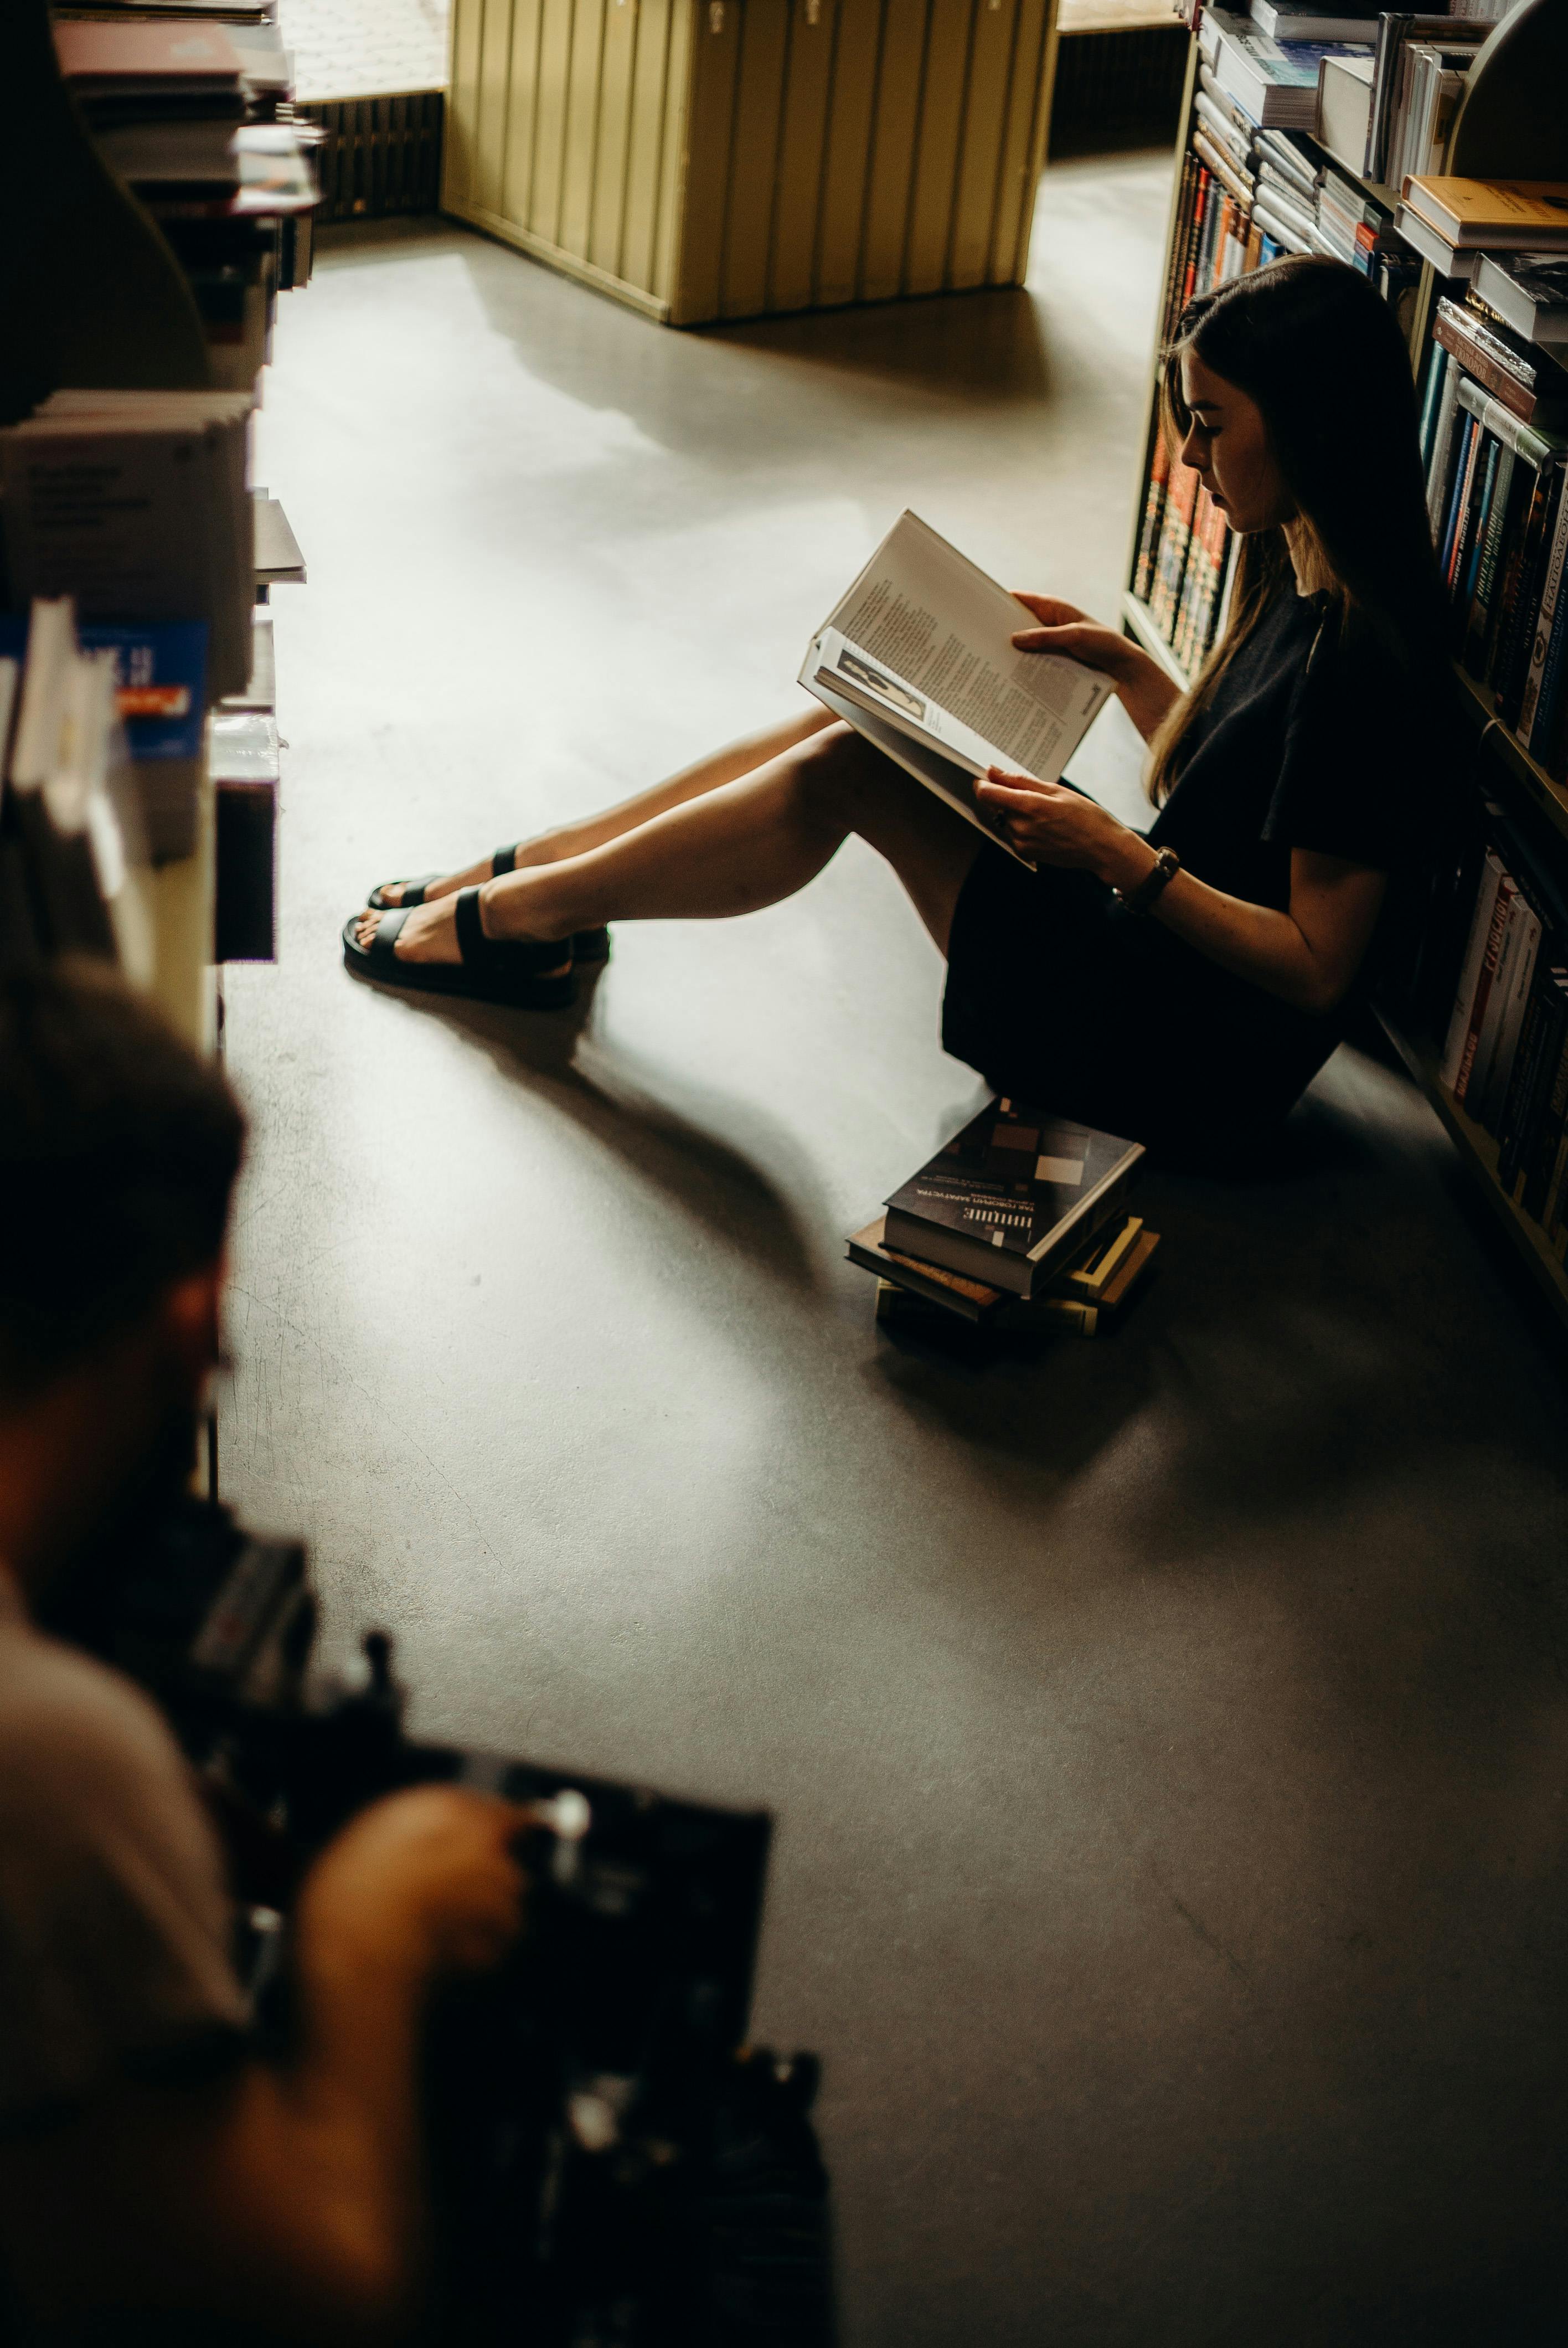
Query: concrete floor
1167, 1735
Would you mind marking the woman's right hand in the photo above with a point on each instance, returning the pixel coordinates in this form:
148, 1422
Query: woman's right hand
1145, 690
423, 1882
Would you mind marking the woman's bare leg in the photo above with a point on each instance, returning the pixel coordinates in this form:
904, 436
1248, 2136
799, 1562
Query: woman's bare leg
709, 774
731, 850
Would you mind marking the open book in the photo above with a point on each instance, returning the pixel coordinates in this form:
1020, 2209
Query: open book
919, 658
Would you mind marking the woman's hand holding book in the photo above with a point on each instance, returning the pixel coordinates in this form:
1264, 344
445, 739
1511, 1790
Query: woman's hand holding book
1051, 824
1141, 685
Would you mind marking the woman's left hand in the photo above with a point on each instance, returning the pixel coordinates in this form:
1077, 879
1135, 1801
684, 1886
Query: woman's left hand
1055, 826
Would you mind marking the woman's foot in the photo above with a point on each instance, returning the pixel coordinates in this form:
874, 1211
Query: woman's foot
429, 934
391, 894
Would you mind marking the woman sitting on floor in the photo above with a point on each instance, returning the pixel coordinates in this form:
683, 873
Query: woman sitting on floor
1168, 986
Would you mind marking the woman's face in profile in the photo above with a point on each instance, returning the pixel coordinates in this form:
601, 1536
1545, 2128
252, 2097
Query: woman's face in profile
1228, 445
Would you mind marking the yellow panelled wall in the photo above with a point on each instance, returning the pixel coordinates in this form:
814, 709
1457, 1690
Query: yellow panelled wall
733, 158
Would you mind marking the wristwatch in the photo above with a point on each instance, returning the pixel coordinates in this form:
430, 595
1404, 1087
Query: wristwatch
1144, 897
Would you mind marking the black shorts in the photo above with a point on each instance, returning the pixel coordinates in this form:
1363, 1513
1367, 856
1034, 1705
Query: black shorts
1056, 994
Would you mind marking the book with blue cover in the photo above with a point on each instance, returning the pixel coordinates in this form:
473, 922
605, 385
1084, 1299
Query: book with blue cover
161, 691
1275, 82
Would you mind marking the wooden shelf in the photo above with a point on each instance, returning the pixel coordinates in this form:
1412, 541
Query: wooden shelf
1138, 623
1479, 1152
1551, 798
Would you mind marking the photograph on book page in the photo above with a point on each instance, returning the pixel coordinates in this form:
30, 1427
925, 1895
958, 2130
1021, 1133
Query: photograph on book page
923, 613
907, 728
881, 722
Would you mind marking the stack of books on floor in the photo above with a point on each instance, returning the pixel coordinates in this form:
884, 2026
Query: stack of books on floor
1494, 427
1020, 1220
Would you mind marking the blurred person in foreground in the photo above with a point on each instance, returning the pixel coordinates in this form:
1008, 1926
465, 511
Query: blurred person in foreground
157, 2178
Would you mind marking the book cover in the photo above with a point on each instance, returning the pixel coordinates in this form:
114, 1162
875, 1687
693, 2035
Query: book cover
1011, 1195
1528, 290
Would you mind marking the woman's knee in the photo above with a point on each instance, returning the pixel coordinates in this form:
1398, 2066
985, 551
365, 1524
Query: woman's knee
838, 774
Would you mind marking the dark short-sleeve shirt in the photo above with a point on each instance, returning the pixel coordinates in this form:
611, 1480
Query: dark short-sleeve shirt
115, 1921
1056, 992
1308, 743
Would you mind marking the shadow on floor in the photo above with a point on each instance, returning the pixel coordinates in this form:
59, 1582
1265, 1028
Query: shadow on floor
675, 1148
982, 347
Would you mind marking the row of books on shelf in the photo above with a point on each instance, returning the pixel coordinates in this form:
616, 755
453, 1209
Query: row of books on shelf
1186, 551
1291, 196
1020, 1219
1378, 89
106, 747
1495, 492
1488, 977
196, 115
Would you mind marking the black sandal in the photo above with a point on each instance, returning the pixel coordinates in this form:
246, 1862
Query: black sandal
588, 945
524, 974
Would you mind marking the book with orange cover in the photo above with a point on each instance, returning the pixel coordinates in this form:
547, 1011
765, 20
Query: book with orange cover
1508, 214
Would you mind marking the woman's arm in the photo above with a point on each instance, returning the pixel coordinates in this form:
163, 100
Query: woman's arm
1143, 687
1307, 955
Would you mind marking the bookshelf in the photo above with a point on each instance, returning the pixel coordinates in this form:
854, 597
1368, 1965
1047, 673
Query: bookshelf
1478, 1155
1510, 123
115, 289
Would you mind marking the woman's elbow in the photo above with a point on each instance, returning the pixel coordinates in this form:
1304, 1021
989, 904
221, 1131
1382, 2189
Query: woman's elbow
1315, 986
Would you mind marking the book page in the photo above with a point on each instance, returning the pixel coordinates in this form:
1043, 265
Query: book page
925, 612
918, 756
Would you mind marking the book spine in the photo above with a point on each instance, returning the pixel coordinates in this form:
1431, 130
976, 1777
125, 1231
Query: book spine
1524, 1081
1478, 633
1392, 30
1543, 624
1489, 999
1513, 643
1527, 440
1524, 935
1154, 514
1175, 263
1470, 969
1203, 190
1454, 522
1544, 725
1438, 472
1431, 396
1496, 932
1519, 399
1467, 554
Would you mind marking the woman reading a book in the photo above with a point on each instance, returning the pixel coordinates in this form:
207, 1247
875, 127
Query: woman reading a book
1175, 986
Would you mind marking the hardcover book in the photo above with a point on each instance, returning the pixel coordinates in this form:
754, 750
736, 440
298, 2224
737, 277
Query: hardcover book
1012, 1197
1509, 215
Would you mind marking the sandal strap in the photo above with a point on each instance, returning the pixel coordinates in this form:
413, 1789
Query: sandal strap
472, 943
522, 956
505, 860
381, 947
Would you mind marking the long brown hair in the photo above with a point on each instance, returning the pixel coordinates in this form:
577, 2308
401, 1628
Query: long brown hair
1311, 343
